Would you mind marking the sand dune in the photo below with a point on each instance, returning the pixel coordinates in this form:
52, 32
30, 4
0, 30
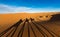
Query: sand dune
11, 18
7, 20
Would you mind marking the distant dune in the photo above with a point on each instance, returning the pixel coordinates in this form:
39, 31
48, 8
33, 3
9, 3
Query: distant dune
12, 18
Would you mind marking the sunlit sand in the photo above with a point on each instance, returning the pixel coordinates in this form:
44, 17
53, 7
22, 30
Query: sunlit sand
7, 20
10, 18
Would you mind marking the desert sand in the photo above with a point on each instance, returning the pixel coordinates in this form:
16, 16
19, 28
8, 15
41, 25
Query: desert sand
7, 20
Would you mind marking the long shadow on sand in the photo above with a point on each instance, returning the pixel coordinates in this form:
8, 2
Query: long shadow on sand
55, 17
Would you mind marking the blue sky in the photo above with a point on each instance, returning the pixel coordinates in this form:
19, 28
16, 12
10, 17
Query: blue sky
12, 6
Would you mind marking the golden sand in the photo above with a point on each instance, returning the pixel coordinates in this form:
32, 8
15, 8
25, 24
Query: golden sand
10, 18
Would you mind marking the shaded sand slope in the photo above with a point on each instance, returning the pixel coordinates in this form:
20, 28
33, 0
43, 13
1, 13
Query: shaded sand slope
55, 17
